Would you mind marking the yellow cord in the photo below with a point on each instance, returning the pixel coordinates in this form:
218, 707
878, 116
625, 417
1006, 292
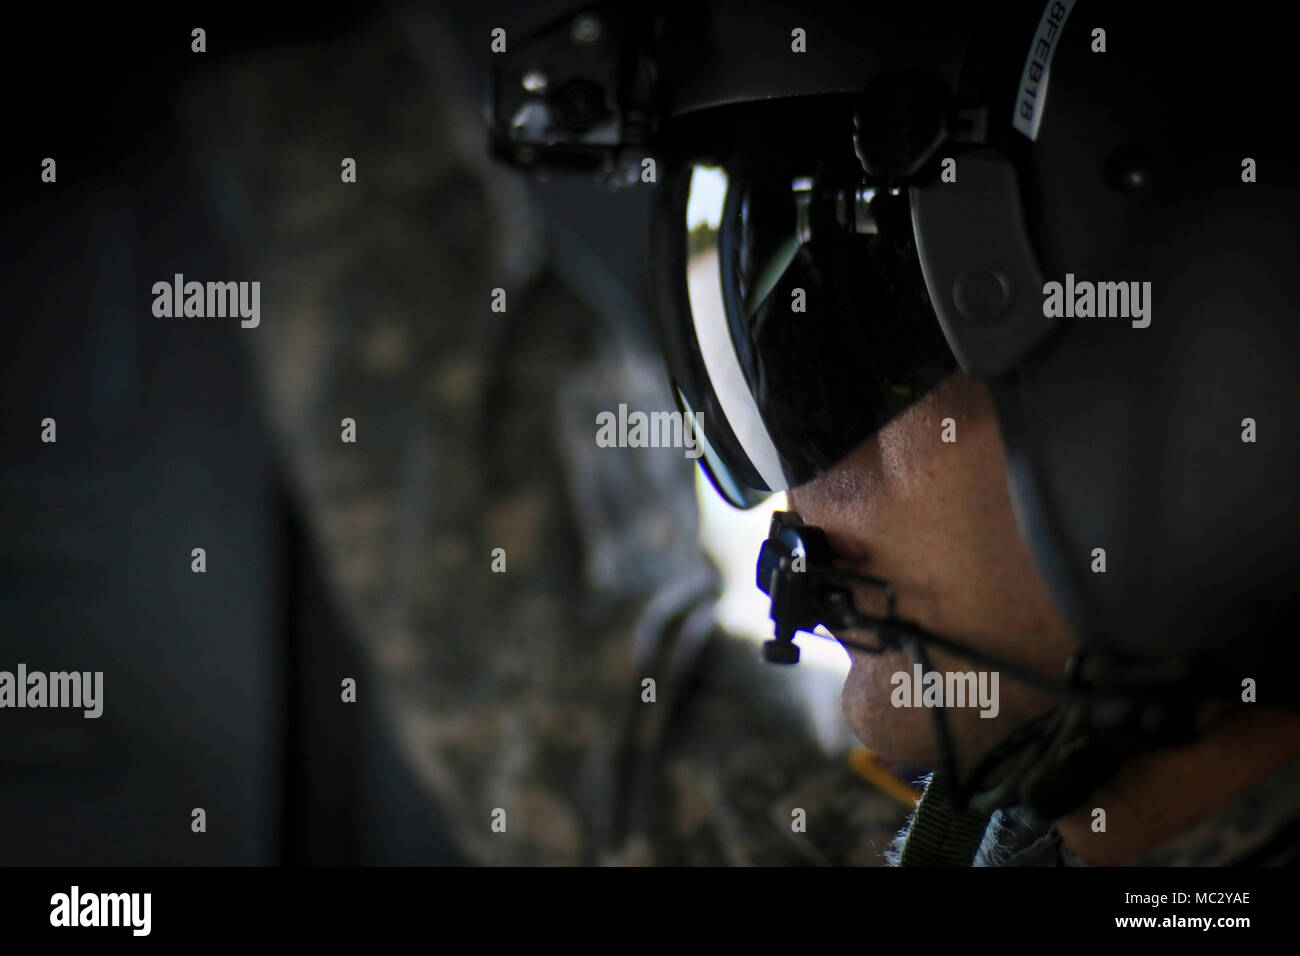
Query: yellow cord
868, 766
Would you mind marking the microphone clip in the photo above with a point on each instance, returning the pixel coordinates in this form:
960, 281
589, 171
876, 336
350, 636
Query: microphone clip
795, 570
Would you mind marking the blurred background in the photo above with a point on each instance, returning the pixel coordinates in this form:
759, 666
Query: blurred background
477, 690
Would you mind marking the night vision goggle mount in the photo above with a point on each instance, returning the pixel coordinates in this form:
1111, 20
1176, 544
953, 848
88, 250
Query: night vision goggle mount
582, 95
592, 91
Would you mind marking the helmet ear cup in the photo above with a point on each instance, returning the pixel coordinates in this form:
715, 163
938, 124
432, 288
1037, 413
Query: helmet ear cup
1125, 434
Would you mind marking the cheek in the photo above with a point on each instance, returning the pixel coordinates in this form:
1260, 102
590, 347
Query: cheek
906, 480
935, 518
893, 732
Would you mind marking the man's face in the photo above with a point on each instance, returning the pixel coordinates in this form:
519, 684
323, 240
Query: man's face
935, 519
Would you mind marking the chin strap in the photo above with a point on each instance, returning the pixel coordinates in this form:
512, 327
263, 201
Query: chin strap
942, 833
1049, 766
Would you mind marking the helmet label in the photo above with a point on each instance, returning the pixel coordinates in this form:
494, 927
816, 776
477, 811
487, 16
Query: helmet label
1031, 98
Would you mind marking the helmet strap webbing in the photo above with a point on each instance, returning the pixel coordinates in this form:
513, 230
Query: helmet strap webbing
942, 834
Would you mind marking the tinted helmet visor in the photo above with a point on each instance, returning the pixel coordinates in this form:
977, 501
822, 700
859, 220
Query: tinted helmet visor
792, 310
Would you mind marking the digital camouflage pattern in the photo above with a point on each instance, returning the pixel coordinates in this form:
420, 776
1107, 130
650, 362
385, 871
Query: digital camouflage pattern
1261, 827
475, 430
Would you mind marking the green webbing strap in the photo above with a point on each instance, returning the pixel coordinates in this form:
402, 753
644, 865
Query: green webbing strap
940, 834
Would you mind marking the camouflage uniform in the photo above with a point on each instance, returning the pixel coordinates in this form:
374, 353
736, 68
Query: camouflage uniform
475, 430
1259, 828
